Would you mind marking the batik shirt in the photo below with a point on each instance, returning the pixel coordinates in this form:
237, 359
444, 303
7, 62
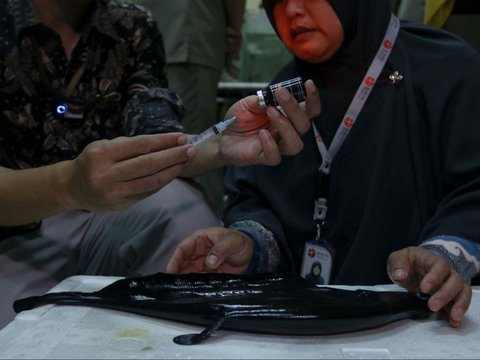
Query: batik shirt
114, 84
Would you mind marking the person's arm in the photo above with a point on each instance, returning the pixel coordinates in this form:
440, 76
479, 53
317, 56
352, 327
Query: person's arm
29, 195
462, 254
266, 255
107, 175
234, 12
150, 106
447, 254
111, 174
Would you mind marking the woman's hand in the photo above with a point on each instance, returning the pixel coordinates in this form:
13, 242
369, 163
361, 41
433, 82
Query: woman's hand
215, 249
417, 269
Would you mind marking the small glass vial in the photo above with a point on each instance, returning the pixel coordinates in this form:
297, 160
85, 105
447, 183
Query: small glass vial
294, 86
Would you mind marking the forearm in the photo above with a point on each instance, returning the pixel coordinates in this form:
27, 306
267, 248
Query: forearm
235, 11
462, 254
266, 256
30, 195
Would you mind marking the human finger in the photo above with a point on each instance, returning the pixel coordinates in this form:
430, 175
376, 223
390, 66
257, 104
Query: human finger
270, 152
293, 111
250, 117
452, 298
312, 104
460, 306
289, 140
152, 163
183, 251
235, 248
436, 272
136, 189
173, 265
122, 148
399, 269
443, 284
191, 252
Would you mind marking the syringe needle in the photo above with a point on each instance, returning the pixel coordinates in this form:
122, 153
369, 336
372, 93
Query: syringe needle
212, 131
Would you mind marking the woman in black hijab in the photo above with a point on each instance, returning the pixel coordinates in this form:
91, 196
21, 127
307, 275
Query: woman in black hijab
402, 192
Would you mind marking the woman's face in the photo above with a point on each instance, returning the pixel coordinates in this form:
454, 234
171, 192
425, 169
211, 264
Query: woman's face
310, 29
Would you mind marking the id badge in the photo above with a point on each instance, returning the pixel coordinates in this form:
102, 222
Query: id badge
317, 262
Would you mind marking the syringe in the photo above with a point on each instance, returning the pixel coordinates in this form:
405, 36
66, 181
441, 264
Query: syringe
212, 131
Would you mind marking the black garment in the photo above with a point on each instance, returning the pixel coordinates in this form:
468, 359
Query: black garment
466, 7
408, 170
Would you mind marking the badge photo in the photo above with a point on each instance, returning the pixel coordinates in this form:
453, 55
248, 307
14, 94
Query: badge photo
317, 263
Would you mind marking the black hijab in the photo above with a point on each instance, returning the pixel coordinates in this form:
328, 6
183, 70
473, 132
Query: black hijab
410, 168
364, 24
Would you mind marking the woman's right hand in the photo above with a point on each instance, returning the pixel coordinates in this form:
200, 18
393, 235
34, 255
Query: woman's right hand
215, 249
262, 136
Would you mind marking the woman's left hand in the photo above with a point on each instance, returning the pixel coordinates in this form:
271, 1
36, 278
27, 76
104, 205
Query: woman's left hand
417, 269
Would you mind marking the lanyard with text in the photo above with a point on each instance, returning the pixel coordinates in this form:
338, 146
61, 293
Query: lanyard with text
351, 116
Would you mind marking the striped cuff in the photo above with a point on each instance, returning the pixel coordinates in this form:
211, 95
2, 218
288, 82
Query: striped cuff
463, 254
267, 253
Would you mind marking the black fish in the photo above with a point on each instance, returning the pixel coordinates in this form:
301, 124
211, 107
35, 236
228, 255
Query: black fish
283, 304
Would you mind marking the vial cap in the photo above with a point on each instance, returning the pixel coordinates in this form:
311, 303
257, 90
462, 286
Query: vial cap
261, 99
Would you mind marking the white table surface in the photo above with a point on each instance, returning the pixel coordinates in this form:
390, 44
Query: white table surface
67, 332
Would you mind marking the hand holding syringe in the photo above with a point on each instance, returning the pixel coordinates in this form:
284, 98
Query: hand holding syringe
211, 131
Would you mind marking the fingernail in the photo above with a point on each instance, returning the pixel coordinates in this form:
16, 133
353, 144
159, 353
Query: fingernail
399, 273
182, 140
191, 152
434, 305
457, 314
426, 286
212, 260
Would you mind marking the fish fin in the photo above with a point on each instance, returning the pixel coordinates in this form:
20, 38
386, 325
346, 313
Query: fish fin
192, 339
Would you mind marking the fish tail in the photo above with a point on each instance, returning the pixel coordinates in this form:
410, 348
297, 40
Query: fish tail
64, 298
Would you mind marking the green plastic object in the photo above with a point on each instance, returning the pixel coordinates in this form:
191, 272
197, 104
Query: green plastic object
263, 54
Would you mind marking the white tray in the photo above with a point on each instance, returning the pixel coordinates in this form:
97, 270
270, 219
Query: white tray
68, 332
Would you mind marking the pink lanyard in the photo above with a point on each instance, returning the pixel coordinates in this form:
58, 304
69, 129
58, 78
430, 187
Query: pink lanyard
352, 113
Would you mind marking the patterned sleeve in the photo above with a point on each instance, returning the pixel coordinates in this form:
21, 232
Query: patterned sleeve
153, 111
462, 254
151, 107
267, 253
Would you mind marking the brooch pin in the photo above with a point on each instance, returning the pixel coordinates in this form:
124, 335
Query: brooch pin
395, 78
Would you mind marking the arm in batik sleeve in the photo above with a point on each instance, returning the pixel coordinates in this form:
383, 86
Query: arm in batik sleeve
150, 106
267, 253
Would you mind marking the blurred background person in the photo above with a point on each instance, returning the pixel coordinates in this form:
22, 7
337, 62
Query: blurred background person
461, 17
202, 39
